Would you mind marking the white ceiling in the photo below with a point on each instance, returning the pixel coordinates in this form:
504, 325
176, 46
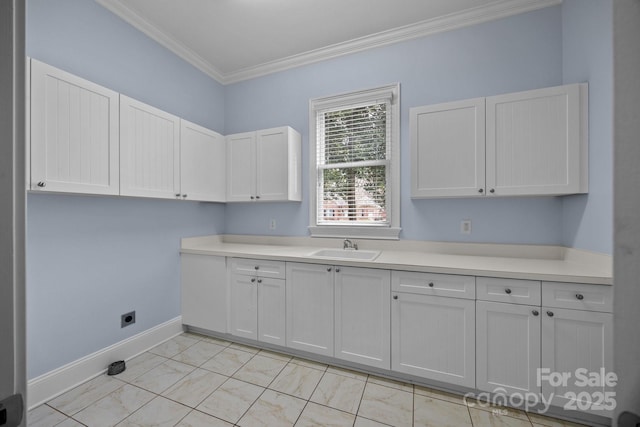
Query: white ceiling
233, 40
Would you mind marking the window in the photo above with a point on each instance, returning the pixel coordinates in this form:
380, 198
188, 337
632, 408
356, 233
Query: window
355, 178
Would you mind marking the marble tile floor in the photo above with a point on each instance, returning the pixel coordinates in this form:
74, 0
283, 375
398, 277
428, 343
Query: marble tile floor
197, 381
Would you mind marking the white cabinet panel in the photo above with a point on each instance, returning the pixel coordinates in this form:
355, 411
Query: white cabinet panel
513, 291
363, 316
443, 285
447, 149
525, 143
508, 347
271, 311
571, 340
150, 151
243, 310
264, 166
536, 141
74, 133
241, 166
433, 337
202, 164
204, 292
257, 300
310, 314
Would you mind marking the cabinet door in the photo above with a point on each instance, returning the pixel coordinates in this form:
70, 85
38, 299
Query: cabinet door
271, 311
508, 347
243, 311
204, 292
203, 161
150, 145
74, 133
571, 340
363, 316
433, 337
310, 308
241, 167
278, 164
447, 149
536, 142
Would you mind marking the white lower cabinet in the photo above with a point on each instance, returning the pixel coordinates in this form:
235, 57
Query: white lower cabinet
577, 342
204, 292
507, 347
508, 335
257, 304
363, 316
433, 337
310, 307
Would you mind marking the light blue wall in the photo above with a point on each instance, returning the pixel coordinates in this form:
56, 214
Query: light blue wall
512, 54
587, 27
91, 259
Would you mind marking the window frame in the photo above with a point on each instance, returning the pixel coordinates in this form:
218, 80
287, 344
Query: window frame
390, 231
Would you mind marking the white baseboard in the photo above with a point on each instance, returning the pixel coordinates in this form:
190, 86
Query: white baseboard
47, 386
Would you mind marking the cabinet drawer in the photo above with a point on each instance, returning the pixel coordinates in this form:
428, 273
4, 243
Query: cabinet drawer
508, 290
258, 267
577, 296
446, 285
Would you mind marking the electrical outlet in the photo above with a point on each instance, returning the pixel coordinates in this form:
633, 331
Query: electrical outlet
128, 319
465, 226
272, 224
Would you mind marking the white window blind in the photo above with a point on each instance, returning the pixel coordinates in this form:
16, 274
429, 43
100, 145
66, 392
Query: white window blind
353, 151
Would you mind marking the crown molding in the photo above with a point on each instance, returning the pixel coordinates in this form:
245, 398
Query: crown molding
497, 10
129, 15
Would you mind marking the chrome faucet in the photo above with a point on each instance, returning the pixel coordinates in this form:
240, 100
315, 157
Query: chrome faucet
348, 244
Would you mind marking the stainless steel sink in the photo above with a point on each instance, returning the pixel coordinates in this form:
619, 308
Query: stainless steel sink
347, 254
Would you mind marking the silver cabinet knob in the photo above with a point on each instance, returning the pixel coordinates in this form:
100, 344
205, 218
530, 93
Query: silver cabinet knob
259, 280
535, 312
492, 191
177, 194
184, 196
257, 267
550, 313
257, 197
508, 291
431, 284
42, 184
337, 270
253, 280
329, 269
395, 297
481, 190
580, 297
252, 197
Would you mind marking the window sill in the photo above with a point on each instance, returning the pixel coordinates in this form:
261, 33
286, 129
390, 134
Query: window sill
344, 231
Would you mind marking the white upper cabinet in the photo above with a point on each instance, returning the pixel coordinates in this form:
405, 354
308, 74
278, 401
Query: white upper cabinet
447, 149
202, 163
150, 151
537, 142
526, 143
74, 133
264, 166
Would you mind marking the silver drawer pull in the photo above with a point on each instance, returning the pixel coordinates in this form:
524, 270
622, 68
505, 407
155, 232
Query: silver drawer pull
508, 291
580, 297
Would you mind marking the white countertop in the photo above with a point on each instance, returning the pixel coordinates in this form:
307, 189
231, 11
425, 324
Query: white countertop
548, 263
